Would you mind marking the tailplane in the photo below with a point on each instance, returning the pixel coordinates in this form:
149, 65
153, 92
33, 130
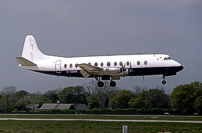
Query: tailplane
31, 51
25, 62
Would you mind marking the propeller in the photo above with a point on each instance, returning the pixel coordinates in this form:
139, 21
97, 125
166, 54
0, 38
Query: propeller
130, 72
123, 68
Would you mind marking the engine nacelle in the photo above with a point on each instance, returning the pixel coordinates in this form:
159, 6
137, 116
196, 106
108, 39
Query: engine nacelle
111, 71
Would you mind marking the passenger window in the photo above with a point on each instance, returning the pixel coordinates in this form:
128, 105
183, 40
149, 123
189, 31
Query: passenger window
70, 65
108, 64
65, 65
127, 63
76, 65
120, 63
138, 63
115, 63
101, 64
95, 64
145, 62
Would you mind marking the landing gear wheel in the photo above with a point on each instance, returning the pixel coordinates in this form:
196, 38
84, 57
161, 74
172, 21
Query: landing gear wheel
163, 82
100, 84
112, 84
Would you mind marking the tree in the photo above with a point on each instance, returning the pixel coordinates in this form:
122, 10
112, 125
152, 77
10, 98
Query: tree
42, 99
183, 97
198, 104
52, 95
8, 96
137, 103
155, 98
73, 95
90, 89
93, 102
152, 98
137, 90
198, 101
20, 95
104, 94
122, 99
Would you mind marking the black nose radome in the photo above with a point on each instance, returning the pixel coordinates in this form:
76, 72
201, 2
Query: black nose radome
181, 67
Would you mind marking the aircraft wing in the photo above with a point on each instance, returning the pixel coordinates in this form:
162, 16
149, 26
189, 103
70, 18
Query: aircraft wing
88, 70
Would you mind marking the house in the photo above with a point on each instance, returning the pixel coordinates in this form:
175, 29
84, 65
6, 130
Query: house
63, 106
34, 107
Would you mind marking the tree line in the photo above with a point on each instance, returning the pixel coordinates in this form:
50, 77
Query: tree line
185, 99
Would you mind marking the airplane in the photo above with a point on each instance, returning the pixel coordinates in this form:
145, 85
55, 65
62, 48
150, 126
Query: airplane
111, 67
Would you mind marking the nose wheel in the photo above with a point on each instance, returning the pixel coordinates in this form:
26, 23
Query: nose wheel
164, 81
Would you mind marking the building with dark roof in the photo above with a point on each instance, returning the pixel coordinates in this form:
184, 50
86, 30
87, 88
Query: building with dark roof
63, 106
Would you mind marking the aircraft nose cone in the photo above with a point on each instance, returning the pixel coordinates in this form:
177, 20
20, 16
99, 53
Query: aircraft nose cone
181, 67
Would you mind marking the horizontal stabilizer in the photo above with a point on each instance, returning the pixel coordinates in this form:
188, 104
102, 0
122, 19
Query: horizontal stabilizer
25, 62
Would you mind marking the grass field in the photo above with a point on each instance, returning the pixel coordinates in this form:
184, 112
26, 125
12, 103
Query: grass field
97, 127
113, 117
94, 127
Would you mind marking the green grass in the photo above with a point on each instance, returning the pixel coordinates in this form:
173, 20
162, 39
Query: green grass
12, 126
94, 127
114, 117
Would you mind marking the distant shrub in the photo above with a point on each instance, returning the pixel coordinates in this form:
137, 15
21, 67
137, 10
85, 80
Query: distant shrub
140, 110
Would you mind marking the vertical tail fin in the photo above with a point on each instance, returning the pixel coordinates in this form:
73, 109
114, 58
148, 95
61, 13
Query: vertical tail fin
30, 50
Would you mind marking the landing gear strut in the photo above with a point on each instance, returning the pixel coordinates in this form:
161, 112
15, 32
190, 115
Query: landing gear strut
164, 81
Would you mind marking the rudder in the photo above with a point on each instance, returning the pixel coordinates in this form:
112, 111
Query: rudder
30, 50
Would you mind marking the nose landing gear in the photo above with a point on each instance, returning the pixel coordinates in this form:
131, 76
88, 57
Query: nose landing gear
164, 81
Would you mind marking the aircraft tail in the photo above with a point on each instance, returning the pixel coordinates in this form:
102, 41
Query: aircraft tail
31, 51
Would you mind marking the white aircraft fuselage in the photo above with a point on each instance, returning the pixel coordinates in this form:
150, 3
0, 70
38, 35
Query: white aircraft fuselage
101, 67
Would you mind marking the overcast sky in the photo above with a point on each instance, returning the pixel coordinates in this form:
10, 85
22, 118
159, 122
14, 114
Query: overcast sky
100, 27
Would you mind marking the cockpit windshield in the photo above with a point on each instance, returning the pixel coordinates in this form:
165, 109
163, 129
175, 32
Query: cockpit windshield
167, 58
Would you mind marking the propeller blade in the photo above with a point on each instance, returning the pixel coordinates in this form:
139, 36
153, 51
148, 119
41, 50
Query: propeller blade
130, 71
130, 65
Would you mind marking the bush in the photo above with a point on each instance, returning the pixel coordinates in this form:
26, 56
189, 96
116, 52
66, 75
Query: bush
140, 110
110, 111
132, 110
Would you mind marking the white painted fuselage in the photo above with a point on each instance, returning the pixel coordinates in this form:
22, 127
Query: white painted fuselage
104, 67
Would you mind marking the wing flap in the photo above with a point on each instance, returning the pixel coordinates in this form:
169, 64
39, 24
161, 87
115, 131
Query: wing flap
25, 62
85, 74
88, 70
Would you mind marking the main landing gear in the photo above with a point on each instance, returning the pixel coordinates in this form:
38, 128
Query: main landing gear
101, 84
164, 81
112, 84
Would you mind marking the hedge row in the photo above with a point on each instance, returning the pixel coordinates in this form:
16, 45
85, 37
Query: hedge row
159, 111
